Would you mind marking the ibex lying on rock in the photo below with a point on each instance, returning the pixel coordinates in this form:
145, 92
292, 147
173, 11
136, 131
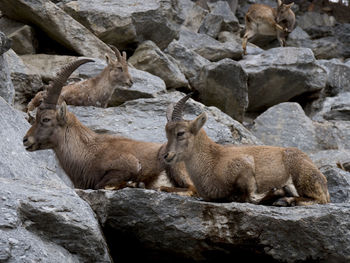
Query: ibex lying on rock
242, 173
265, 20
95, 91
91, 160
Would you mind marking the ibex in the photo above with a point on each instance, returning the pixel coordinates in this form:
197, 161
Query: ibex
91, 160
241, 173
265, 20
95, 91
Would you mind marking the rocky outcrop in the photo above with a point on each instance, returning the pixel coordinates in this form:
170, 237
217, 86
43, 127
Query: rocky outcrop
287, 125
169, 226
56, 24
22, 36
123, 24
7, 91
224, 84
279, 74
145, 119
25, 82
41, 218
150, 58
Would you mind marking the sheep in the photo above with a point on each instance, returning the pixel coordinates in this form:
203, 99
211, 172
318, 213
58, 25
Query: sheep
95, 91
265, 20
92, 160
242, 173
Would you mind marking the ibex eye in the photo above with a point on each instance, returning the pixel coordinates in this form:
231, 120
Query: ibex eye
46, 120
179, 134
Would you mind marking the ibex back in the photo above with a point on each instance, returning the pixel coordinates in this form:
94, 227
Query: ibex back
265, 20
242, 173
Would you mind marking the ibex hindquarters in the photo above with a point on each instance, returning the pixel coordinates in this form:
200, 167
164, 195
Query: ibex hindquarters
265, 20
309, 182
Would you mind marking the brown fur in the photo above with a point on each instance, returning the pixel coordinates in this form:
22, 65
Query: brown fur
265, 20
95, 91
92, 160
244, 173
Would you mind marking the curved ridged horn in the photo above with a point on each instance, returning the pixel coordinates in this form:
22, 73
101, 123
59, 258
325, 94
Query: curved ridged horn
178, 108
117, 53
54, 89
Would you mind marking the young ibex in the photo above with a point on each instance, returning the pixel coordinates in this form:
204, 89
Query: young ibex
95, 91
242, 173
91, 160
265, 20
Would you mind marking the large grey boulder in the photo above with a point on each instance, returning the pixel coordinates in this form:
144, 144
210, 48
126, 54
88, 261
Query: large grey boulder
338, 182
42, 219
338, 76
150, 58
22, 36
332, 108
287, 125
25, 82
145, 119
279, 74
126, 23
220, 18
145, 85
189, 62
57, 25
193, 15
7, 91
330, 158
169, 226
209, 47
224, 84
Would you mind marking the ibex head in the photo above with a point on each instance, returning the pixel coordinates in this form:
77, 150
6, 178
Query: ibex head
285, 16
181, 133
118, 69
49, 121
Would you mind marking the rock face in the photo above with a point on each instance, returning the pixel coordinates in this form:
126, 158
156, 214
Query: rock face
209, 47
279, 74
25, 82
287, 125
124, 23
145, 119
175, 227
41, 218
57, 24
224, 84
7, 91
150, 58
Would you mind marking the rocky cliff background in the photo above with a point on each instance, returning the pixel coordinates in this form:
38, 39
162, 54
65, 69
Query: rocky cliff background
295, 96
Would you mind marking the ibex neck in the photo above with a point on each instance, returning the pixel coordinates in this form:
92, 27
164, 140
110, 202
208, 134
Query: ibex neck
73, 151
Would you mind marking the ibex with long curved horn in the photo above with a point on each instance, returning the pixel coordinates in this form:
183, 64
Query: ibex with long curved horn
95, 91
241, 173
91, 160
265, 20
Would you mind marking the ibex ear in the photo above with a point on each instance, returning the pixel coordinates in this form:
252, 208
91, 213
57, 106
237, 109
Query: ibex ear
290, 5
61, 114
279, 2
198, 123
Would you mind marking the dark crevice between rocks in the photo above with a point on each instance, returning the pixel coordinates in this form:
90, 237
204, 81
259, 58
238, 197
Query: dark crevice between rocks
126, 247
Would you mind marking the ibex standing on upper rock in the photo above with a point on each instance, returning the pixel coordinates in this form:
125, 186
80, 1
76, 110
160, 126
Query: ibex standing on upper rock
95, 91
265, 20
242, 173
91, 160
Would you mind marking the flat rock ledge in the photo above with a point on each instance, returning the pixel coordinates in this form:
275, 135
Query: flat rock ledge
141, 224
